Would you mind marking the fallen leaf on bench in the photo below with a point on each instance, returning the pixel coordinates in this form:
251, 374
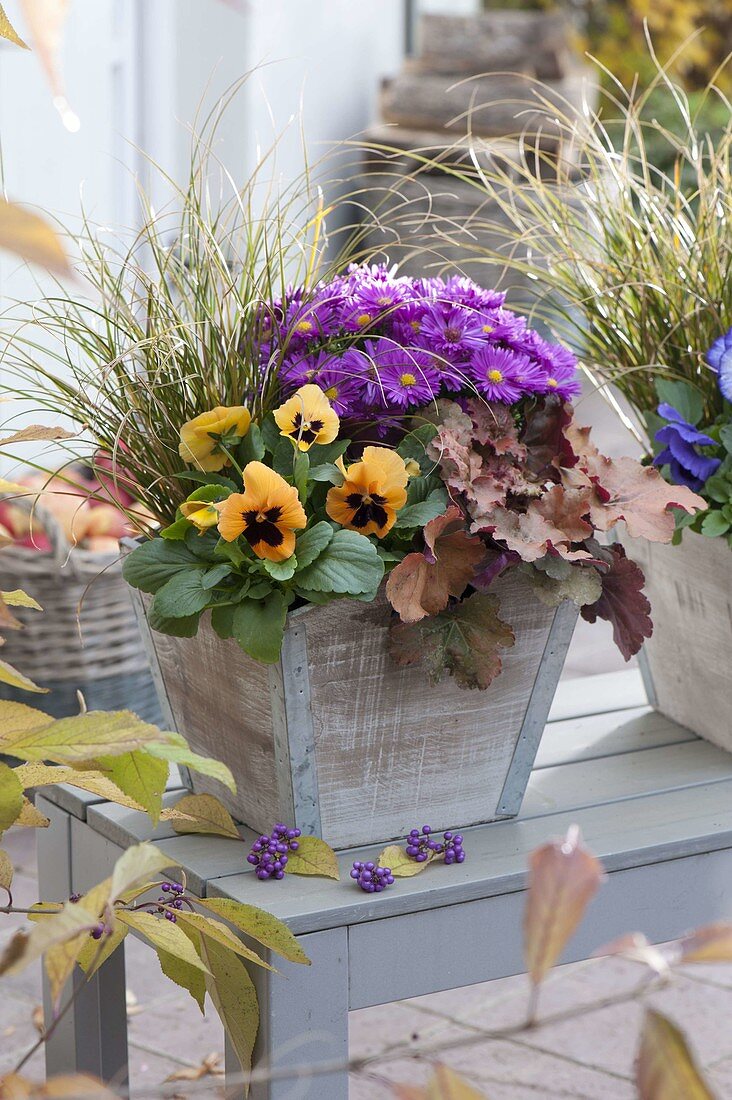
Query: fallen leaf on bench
209, 1067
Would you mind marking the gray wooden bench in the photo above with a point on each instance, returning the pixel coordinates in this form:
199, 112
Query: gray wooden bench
653, 802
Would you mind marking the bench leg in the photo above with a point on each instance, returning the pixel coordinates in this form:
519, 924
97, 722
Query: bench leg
92, 1036
303, 1022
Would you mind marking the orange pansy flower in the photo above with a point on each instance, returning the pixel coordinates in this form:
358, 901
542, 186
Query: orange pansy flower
372, 494
267, 513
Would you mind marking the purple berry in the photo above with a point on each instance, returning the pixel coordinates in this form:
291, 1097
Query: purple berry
269, 853
370, 878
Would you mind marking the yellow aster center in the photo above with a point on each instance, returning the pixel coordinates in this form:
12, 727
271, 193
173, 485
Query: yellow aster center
331, 393
552, 382
415, 326
383, 301
304, 326
487, 328
407, 380
363, 319
495, 375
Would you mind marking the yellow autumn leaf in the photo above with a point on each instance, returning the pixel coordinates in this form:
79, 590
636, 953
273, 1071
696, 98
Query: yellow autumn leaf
313, 857
6, 870
75, 739
19, 598
8, 31
32, 238
202, 813
11, 676
162, 934
25, 947
234, 998
223, 935
665, 1068
44, 775
712, 943
445, 1085
400, 864
137, 864
31, 818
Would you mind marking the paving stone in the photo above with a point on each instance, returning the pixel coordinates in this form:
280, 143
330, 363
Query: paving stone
20, 844
148, 1072
372, 1029
176, 1030
17, 1035
608, 1039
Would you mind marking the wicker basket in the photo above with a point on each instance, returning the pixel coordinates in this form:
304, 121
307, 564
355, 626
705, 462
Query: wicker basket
87, 638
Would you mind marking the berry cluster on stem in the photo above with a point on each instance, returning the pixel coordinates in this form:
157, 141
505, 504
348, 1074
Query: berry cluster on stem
423, 845
371, 878
269, 853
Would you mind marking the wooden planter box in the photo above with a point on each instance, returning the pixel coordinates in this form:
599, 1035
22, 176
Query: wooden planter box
687, 663
339, 741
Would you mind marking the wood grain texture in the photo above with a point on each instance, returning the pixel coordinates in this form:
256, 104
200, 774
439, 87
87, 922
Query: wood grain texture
389, 747
220, 701
531, 42
690, 652
392, 748
493, 105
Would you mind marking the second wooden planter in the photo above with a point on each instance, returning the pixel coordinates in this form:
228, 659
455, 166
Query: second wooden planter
339, 741
687, 662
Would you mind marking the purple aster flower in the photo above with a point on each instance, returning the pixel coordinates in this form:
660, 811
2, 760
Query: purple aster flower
500, 325
452, 331
719, 358
559, 367
687, 466
406, 378
309, 321
463, 291
497, 373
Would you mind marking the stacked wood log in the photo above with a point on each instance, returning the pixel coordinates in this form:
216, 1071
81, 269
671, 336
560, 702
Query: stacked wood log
476, 90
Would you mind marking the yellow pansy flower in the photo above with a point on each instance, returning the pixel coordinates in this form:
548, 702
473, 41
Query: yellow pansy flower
201, 437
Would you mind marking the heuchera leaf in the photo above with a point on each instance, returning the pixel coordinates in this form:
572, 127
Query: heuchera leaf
622, 601
465, 640
563, 878
665, 1068
624, 489
422, 584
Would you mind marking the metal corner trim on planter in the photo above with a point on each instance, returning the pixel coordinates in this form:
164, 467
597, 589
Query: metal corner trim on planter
647, 677
299, 729
537, 711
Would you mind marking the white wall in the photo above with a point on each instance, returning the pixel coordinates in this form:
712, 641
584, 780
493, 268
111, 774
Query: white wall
137, 71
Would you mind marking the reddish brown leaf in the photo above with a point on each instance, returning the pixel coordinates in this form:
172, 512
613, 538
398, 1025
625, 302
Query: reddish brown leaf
622, 602
531, 535
465, 640
565, 509
494, 425
563, 878
422, 583
665, 1068
544, 437
637, 494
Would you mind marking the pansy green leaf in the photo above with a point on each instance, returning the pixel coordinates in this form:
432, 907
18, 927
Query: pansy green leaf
215, 575
259, 626
177, 531
414, 446
251, 448
714, 524
270, 433
184, 594
327, 471
725, 434
281, 570
179, 627
232, 551
420, 513
348, 565
327, 452
259, 590
153, 563
222, 620
311, 543
207, 479
686, 399
317, 598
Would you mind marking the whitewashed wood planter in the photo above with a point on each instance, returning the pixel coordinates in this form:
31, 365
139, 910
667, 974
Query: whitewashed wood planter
687, 663
339, 741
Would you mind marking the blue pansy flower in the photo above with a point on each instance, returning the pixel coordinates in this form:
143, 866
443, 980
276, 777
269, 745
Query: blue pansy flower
719, 358
687, 466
